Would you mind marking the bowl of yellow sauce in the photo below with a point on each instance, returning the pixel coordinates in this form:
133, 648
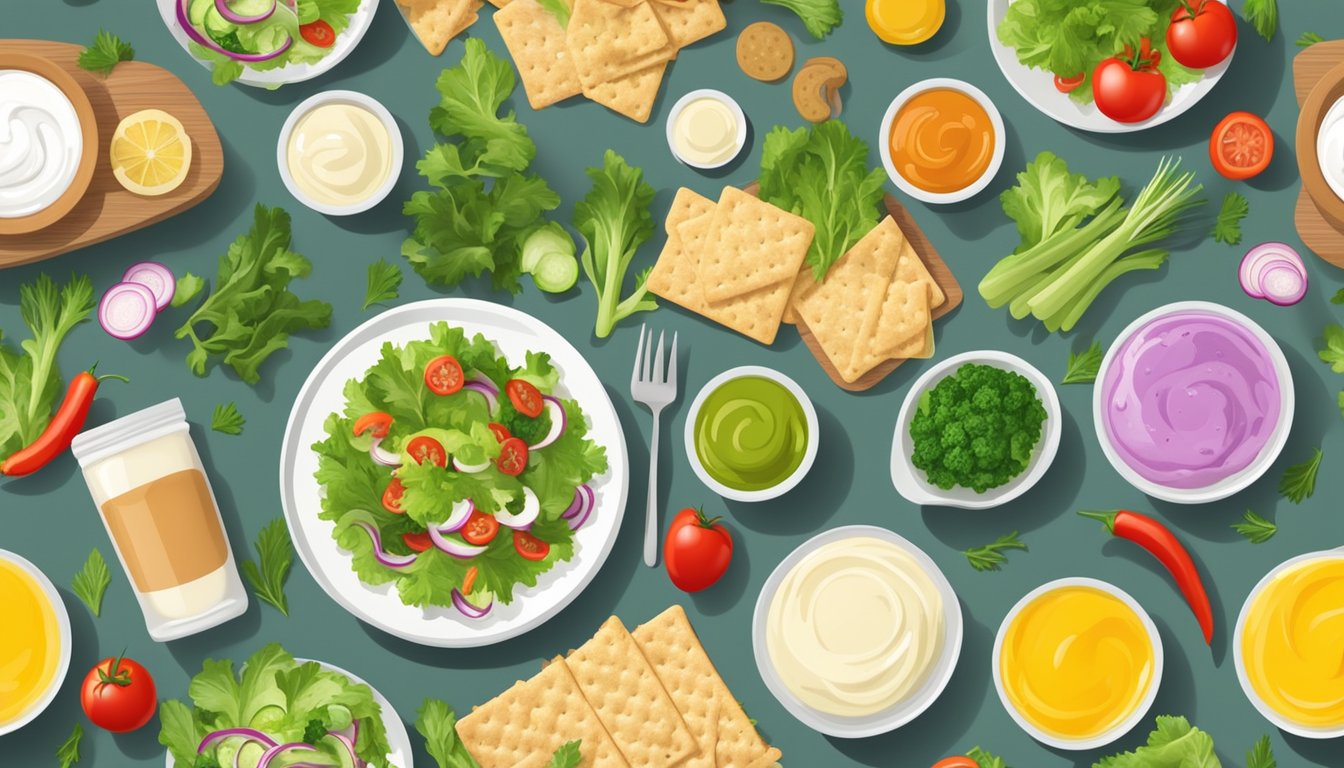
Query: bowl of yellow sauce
942, 141
905, 22
35, 643
1077, 663
1287, 646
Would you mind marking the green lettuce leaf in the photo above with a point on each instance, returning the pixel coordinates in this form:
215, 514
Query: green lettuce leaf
1049, 199
1174, 743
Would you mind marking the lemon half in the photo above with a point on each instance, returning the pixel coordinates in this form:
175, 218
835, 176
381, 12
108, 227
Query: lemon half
151, 153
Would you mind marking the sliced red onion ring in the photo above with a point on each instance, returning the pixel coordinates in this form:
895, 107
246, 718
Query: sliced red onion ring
459, 549
157, 278
204, 40
470, 469
1283, 285
457, 518
383, 456
279, 749
383, 556
349, 746
558, 423
1260, 260
525, 518
250, 734
574, 506
237, 18
584, 501
350, 731
485, 388
470, 611
127, 310
576, 522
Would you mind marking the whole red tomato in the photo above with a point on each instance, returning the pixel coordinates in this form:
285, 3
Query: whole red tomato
1202, 33
698, 550
120, 700
1130, 89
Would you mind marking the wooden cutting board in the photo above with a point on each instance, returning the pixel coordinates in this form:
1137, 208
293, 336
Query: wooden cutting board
107, 210
1309, 67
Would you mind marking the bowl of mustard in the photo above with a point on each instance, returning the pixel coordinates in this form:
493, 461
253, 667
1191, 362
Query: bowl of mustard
752, 434
942, 141
35, 644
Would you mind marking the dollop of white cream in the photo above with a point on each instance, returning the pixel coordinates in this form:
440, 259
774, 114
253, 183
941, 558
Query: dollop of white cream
40, 143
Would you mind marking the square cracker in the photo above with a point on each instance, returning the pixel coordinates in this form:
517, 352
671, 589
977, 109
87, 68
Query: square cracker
632, 95
902, 330
912, 269
438, 21
522, 727
690, 21
670, 644
687, 205
536, 41
752, 245
672, 277
754, 315
629, 700
609, 41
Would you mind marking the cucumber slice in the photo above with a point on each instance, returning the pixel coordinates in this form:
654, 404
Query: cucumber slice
268, 719
481, 598
197, 10
556, 272
228, 748
249, 756
251, 7
331, 745
216, 25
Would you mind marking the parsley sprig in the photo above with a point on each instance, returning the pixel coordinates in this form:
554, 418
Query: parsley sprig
384, 283
990, 557
1227, 229
106, 52
1255, 528
276, 553
1299, 480
227, 420
91, 582
1084, 366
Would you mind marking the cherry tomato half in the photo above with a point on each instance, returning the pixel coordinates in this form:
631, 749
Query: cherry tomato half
121, 700
1242, 146
377, 421
512, 456
525, 398
469, 580
480, 528
425, 448
392, 497
318, 33
956, 762
1069, 84
529, 546
500, 431
418, 542
444, 375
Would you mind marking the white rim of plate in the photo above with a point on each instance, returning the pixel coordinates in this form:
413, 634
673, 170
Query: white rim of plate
898, 715
910, 481
1233, 483
62, 630
1126, 725
1277, 720
722, 98
809, 455
354, 98
995, 162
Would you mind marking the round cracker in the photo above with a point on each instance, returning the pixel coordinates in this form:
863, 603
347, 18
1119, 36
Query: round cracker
765, 51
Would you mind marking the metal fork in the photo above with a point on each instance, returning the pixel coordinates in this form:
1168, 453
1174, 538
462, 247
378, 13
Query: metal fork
649, 386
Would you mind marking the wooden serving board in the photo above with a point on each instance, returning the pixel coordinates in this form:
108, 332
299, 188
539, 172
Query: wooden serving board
107, 210
1310, 66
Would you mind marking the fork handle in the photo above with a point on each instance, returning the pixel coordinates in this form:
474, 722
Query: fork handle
651, 524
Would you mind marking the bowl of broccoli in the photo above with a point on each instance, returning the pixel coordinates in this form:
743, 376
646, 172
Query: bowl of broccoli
976, 431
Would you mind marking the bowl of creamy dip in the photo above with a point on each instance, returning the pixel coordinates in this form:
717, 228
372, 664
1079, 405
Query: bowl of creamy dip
340, 152
857, 632
942, 141
1320, 146
48, 143
706, 129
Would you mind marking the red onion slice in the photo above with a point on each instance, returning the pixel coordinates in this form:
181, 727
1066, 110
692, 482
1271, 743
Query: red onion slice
1283, 285
457, 518
467, 609
383, 556
250, 734
274, 752
486, 389
127, 310
349, 746
157, 278
201, 39
574, 506
237, 18
459, 549
576, 522
383, 456
584, 501
558, 423
1260, 260
470, 469
525, 518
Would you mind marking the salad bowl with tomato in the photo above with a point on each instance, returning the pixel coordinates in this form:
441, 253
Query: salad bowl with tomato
453, 473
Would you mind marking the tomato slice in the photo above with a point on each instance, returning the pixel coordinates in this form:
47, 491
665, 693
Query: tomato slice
1069, 84
392, 497
500, 431
418, 542
469, 580
480, 528
444, 375
525, 398
956, 762
529, 546
512, 456
377, 421
318, 33
427, 448
1242, 146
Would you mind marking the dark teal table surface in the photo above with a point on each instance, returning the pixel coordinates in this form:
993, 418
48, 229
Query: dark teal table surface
50, 519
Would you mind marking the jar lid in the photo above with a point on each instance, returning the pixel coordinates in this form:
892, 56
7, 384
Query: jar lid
94, 445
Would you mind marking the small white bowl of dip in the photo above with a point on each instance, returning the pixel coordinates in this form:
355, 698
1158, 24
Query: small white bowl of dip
340, 152
23, 586
706, 129
929, 107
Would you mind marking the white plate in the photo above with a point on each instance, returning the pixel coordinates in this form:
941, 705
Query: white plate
397, 738
515, 333
1230, 485
1279, 721
899, 714
912, 483
360, 21
62, 630
1037, 86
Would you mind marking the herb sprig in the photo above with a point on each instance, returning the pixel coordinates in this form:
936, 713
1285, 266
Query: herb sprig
384, 283
106, 52
990, 557
1084, 366
91, 582
1299, 480
1227, 229
276, 553
1255, 528
227, 420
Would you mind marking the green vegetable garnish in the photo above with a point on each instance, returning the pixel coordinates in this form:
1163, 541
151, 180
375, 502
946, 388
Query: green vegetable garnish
614, 220
991, 558
977, 428
567, 756
276, 553
548, 256
267, 35
1227, 229
1255, 528
559, 8
819, 16
1333, 351
1308, 39
1263, 15
1299, 480
384, 283
68, 753
1338, 298
1174, 744
437, 723
92, 581
227, 420
1261, 755
188, 287
1341, 403
985, 759
106, 52
251, 312
1084, 367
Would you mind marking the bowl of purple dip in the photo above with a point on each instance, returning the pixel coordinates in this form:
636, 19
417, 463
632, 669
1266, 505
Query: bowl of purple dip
1193, 402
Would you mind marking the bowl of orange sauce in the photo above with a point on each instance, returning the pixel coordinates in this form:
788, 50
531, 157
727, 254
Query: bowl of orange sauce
942, 141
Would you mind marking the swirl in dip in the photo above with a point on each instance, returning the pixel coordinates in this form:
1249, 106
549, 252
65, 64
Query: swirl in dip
40, 143
340, 154
942, 140
1191, 399
856, 627
1291, 643
751, 433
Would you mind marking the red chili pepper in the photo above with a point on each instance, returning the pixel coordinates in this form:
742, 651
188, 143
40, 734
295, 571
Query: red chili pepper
1161, 543
62, 428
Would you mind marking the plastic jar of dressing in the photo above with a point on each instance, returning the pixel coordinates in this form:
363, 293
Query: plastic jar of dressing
150, 487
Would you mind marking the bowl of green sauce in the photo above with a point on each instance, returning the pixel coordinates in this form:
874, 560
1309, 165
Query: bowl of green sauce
751, 434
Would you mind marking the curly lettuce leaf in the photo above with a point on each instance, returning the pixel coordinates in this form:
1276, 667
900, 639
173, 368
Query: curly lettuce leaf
1174, 743
1049, 199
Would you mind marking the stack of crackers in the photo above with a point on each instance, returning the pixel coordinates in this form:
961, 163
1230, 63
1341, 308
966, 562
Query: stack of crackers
740, 263
435, 22
614, 52
647, 699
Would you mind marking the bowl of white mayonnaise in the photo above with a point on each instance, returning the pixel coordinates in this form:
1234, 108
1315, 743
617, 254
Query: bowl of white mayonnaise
340, 152
1320, 146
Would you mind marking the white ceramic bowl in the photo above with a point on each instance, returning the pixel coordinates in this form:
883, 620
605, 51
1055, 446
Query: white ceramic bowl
1101, 740
813, 436
899, 714
912, 483
1279, 721
341, 97
1229, 485
62, 629
727, 101
976, 187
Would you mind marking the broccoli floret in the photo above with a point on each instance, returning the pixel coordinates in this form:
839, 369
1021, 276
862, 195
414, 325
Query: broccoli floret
977, 428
